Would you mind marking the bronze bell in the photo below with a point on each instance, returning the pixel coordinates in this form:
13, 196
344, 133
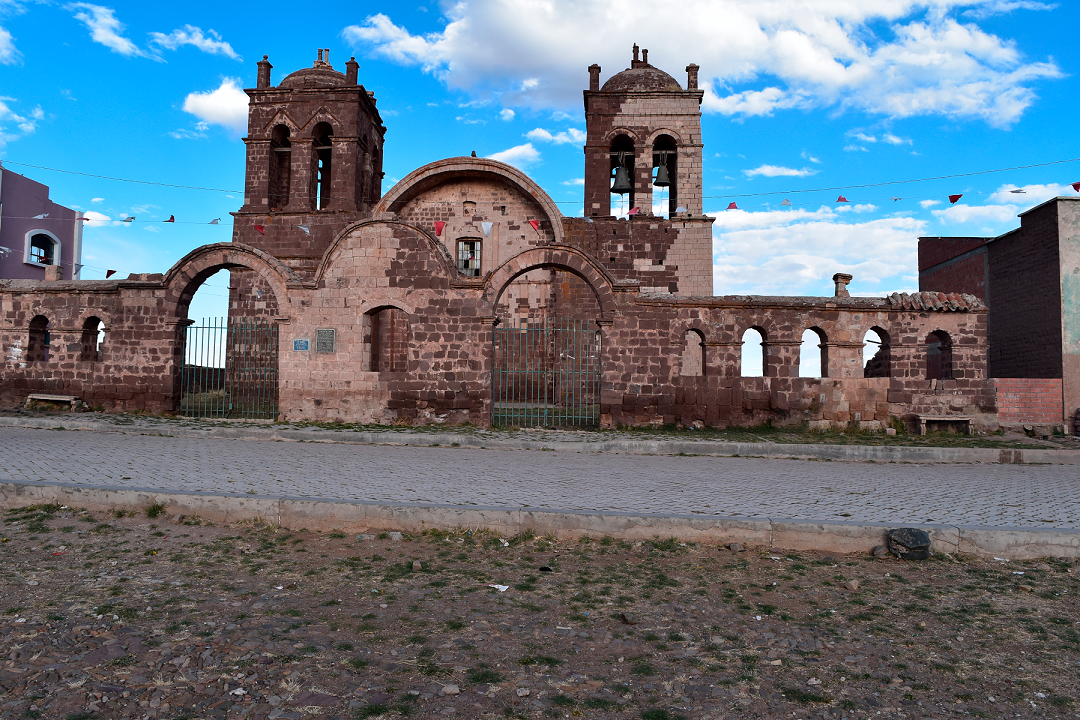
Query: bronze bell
622, 181
662, 178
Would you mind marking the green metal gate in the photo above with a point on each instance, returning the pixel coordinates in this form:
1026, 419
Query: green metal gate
547, 373
230, 370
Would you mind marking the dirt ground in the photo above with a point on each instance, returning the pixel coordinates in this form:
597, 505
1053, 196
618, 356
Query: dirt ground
146, 616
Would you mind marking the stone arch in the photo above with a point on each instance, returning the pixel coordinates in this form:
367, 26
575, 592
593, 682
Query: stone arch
281, 117
436, 173
446, 262
610, 135
679, 330
675, 134
562, 258
189, 273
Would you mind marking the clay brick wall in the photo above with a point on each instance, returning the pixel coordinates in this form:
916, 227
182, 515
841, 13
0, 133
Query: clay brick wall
1029, 400
954, 265
1025, 281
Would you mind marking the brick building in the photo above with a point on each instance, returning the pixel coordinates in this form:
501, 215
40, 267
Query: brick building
463, 295
1030, 279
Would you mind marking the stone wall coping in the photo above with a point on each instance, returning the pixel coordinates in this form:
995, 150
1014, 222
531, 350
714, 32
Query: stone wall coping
785, 302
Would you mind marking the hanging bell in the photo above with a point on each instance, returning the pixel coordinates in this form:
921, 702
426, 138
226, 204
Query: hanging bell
662, 178
622, 181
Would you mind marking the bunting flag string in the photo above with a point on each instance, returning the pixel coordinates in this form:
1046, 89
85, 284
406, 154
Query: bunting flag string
261, 229
215, 221
172, 218
306, 229
954, 198
439, 225
535, 225
487, 228
841, 199
109, 274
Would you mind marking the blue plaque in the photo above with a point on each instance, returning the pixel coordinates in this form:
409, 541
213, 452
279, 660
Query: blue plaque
301, 345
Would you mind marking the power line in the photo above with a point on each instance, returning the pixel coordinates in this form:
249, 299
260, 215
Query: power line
107, 177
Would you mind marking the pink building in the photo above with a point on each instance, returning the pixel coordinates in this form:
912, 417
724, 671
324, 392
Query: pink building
35, 232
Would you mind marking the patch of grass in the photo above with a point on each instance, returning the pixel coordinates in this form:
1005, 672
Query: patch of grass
155, 510
561, 700
802, 696
124, 661
484, 675
660, 714
356, 663
598, 704
454, 624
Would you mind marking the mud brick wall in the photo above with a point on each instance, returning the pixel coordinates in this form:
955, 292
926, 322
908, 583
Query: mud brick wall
957, 264
133, 369
1029, 400
1025, 281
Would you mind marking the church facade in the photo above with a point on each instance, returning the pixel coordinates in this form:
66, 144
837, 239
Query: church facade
422, 305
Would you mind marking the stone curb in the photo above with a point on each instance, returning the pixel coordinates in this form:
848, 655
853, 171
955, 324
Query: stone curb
319, 514
849, 453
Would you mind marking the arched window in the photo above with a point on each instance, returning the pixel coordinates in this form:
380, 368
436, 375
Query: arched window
37, 349
622, 159
939, 356
280, 167
876, 353
93, 336
693, 356
376, 173
813, 354
387, 340
665, 170
43, 249
753, 353
324, 152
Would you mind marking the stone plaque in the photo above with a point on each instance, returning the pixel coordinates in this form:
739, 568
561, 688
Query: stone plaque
324, 341
301, 344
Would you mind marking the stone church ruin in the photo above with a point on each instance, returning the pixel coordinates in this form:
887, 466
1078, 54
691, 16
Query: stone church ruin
462, 294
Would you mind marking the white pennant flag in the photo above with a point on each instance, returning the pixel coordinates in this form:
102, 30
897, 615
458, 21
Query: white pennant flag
215, 221
487, 228
305, 228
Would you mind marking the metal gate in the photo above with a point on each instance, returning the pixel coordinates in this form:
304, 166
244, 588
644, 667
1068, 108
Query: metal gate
547, 373
230, 370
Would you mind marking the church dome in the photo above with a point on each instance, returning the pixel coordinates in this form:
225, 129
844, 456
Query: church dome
314, 77
642, 78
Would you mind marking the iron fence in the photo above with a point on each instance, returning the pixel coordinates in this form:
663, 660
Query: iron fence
230, 370
547, 373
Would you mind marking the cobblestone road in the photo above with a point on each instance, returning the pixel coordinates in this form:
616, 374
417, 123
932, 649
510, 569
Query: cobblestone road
996, 495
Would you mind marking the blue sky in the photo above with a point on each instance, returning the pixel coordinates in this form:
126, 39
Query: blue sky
814, 94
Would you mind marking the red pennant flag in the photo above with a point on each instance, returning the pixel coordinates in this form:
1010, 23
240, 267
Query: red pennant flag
109, 274
1076, 186
438, 228
535, 225
634, 211
841, 199
954, 198
171, 219
732, 206
261, 229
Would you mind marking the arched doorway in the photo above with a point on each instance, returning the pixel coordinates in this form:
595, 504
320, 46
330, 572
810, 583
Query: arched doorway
227, 365
547, 354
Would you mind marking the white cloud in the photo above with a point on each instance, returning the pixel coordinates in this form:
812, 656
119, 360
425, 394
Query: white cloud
895, 58
97, 219
97, 200
575, 181
811, 158
107, 30
778, 171
8, 54
1004, 7
961, 213
226, 106
520, 156
896, 140
863, 136
855, 148
210, 43
24, 125
1032, 195
929, 203
570, 135
1003, 205
857, 208
506, 114
765, 255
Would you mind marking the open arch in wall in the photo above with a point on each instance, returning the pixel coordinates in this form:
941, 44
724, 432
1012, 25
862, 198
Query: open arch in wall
92, 340
561, 258
385, 331
693, 354
753, 360
813, 354
665, 164
877, 353
37, 346
191, 271
280, 178
622, 158
322, 169
939, 360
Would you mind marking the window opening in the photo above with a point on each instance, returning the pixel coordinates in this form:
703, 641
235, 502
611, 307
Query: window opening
813, 362
42, 249
876, 353
468, 253
93, 337
665, 177
622, 174
753, 353
939, 356
388, 341
323, 164
280, 167
693, 357
37, 349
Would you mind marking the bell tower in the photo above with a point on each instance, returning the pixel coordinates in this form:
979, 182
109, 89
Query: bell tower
643, 145
314, 161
